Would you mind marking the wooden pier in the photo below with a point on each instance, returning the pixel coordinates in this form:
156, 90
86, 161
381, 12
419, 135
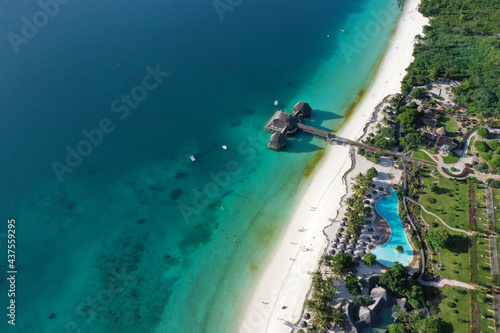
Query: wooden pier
284, 124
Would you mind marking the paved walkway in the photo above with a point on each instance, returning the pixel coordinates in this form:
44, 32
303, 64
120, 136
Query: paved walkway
440, 219
447, 282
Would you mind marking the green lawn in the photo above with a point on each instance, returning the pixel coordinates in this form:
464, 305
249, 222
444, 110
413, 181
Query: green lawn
496, 203
451, 199
423, 156
471, 143
484, 323
463, 304
481, 209
449, 124
450, 159
455, 263
482, 248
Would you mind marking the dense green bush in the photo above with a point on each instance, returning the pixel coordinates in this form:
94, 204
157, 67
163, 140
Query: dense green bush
483, 132
481, 146
494, 144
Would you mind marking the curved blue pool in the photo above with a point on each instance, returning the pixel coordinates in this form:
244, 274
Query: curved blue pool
386, 254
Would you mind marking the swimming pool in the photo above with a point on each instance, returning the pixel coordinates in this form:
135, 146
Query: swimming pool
386, 254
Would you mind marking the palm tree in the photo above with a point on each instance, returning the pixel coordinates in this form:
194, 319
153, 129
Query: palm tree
337, 318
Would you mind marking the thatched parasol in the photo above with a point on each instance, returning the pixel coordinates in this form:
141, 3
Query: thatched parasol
354, 270
332, 252
350, 246
356, 263
343, 224
341, 246
307, 316
369, 196
303, 324
349, 252
344, 219
367, 202
380, 188
376, 237
370, 229
352, 241
357, 258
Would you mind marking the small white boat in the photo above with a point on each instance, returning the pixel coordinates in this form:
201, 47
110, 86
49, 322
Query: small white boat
192, 158
224, 147
276, 103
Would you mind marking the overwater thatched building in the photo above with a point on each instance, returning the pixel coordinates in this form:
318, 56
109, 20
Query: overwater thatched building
302, 109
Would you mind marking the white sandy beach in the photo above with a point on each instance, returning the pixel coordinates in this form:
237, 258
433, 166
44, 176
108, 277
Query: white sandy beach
285, 280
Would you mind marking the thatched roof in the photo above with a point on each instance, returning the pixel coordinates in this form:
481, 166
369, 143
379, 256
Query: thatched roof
420, 108
302, 109
278, 141
370, 318
352, 241
441, 131
341, 246
307, 316
282, 122
381, 299
447, 143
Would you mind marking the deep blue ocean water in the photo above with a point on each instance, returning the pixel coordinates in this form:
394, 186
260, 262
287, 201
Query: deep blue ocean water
135, 237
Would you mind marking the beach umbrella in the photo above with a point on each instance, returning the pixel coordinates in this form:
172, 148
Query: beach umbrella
380, 188
303, 324
367, 238
347, 236
343, 224
376, 237
344, 219
373, 185
367, 202
332, 252
368, 222
370, 215
307, 316
363, 253
337, 240
374, 192
341, 246
371, 135
350, 246
356, 263
370, 229
354, 270
369, 196
349, 252
352, 241
357, 258
341, 229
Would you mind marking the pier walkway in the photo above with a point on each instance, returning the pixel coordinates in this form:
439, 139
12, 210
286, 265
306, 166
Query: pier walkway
333, 139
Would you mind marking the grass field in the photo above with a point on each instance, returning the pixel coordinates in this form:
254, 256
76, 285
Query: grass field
481, 209
485, 309
451, 199
484, 261
455, 263
423, 156
448, 314
471, 142
496, 203
449, 125
451, 159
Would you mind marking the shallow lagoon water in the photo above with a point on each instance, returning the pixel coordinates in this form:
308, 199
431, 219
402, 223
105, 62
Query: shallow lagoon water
131, 211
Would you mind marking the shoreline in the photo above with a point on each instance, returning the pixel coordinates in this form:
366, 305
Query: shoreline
286, 278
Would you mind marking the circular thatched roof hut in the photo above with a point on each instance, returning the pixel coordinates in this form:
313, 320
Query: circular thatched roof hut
307, 316
303, 324
278, 141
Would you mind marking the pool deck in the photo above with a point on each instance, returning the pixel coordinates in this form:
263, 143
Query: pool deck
383, 229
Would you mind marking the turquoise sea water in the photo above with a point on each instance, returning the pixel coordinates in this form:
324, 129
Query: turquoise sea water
136, 237
386, 254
